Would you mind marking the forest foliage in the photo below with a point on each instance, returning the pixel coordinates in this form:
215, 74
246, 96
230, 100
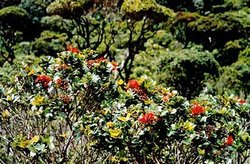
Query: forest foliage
127, 30
77, 61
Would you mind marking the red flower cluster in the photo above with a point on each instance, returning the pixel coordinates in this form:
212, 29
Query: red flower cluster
90, 63
62, 83
166, 98
197, 109
72, 49
65, 98
44, 80
62, 67
115, 65
242, 101
229, 140
133, 84
136, 87
143, 95
147, 118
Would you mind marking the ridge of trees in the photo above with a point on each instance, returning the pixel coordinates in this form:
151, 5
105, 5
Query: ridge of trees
121, 29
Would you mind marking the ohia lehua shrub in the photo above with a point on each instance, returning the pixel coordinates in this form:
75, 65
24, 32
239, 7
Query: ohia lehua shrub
75, 108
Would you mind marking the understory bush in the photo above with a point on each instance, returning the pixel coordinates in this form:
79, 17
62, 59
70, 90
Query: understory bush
187, 70
75, 108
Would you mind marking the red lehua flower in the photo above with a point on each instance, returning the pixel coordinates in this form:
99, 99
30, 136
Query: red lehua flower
229, 140
100, 59
90, 63
197, 109
147, 118
59, 81
44, 80
72, 49
115, 65
62, 83
143, 95
166, 98
133, 84
62, 67
66, 99
242, 101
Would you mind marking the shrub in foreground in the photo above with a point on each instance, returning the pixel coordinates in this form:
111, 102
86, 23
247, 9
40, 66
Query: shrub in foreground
74, 108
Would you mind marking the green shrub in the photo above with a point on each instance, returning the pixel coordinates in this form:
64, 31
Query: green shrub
212, 31
183, 69
67, 8
146, 8
235, 78
75, 109
43, 104
13, 16
49, 43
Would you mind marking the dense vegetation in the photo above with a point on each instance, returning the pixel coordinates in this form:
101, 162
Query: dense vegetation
123, 81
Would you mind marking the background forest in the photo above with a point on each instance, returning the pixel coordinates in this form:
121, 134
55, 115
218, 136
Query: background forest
199, 48
190, 45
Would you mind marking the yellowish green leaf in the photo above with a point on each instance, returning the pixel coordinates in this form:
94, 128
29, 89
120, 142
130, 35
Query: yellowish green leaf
38, 100
115, 133
188, 126
24, 144
34, 140
6, 114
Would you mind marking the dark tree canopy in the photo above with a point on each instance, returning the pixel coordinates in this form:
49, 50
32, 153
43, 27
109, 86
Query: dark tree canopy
124, 30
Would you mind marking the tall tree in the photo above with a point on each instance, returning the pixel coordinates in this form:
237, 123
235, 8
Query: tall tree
13, 24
